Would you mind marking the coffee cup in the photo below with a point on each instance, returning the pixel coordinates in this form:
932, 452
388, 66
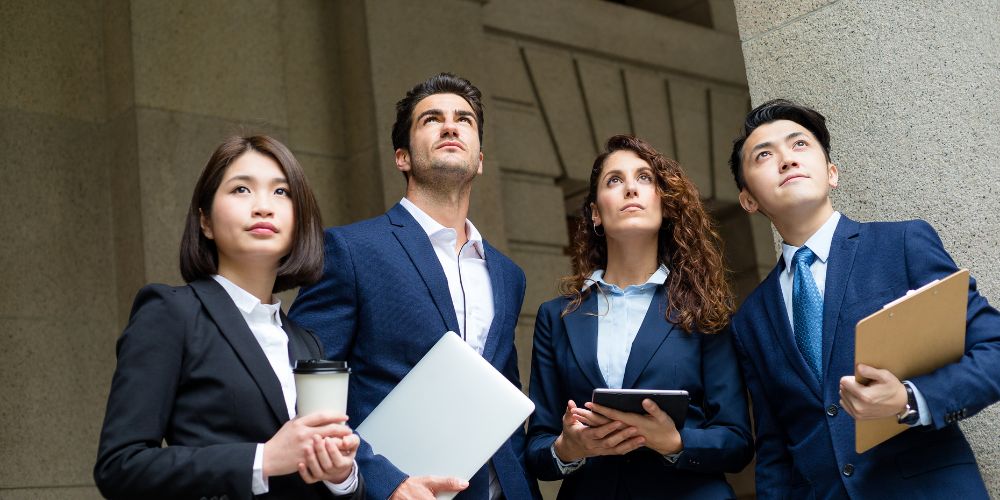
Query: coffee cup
321, 385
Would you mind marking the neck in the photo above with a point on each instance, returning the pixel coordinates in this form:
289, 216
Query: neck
796, 226
256, 278
450, 209
631, 261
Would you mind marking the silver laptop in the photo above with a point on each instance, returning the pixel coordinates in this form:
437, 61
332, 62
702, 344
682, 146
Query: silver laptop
448, 416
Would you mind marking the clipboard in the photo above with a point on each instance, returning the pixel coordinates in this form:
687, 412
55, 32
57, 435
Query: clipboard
912, 335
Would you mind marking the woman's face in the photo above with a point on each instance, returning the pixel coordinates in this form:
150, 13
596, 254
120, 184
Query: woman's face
252, 217
627, 202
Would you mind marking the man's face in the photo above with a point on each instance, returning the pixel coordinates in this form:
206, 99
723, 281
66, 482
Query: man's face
444, 142
785, 169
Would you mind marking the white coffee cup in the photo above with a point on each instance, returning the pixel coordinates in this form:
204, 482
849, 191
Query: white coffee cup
321, 385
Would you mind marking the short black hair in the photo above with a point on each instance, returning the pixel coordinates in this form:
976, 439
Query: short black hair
772, 111
199, 258
441, 83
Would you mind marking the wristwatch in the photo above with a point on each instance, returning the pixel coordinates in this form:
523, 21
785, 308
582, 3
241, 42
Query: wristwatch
910, 415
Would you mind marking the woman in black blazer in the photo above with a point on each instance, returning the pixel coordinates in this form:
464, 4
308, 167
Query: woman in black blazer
202, 394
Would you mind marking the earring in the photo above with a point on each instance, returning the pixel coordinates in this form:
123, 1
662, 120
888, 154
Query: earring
600, 234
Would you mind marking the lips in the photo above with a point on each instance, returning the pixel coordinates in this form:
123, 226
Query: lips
263, 228
632, 207
791, 177
451, 144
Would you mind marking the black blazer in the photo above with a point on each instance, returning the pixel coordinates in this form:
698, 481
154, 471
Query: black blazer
191, 374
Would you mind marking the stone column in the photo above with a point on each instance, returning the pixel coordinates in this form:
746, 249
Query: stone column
909, 89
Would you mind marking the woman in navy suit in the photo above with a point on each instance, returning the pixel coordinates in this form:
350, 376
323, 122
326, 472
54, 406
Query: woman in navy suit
206, 367
646, 308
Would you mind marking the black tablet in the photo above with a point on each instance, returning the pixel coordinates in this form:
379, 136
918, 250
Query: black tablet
675, 403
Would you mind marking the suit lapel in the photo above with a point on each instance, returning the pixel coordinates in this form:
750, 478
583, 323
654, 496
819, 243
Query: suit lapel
654, 330
498, 282
774, 303
418, 247
843, 249
299, 343
234, 328
581, 328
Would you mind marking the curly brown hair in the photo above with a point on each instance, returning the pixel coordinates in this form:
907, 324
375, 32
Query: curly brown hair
699, 297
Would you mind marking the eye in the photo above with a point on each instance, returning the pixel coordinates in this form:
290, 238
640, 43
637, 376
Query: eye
762, 155
430, 118
241, 189
614, 179
646, 177
465, 119
800, 143
282, 192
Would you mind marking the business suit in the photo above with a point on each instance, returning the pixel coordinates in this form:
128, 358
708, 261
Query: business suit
805, 441
716, 433
382, 303
191, 372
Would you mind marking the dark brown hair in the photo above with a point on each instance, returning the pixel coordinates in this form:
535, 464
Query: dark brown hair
304, 263
699, 298
772, 111
441, 83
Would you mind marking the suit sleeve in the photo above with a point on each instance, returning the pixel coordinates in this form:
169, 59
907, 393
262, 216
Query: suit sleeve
330, 308
723, 443
545, 423
961, 389
773, 472
131, 461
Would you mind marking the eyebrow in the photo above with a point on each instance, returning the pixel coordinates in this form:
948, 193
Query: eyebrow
438, 112
274, 180
769, 143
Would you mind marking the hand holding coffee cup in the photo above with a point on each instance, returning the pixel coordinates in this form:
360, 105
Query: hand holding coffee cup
321, 385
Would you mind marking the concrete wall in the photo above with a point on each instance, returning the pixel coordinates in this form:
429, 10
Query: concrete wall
110, 108
909, 89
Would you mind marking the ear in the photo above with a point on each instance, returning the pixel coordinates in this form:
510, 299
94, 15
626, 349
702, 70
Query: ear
206, 225
833, 175
595, 216
403, 160
748, 202
480, 170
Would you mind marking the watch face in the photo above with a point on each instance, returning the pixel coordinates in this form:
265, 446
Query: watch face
909, 417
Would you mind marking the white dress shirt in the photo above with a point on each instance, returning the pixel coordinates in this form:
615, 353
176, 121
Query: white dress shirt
820, 243
469, 285
264, 321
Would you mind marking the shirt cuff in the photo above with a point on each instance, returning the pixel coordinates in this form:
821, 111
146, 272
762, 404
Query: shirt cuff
925, 414
566, 468
348, 486
259, 484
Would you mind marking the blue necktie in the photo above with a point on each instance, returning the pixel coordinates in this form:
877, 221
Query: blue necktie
807, 311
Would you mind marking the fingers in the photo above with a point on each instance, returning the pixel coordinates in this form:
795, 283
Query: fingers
875, 374
440, 484
333, 430
628, 445
590, 418
321, 418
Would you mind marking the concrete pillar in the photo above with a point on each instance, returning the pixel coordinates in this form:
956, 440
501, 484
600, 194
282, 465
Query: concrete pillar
909, 89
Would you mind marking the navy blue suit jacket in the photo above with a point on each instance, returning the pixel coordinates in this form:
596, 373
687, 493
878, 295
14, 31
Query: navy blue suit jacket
716, 434
382, 303
805, 441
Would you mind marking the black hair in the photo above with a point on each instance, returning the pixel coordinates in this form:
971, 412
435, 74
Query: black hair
441, 83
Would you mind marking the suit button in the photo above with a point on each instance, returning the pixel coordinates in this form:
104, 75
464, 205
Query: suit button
848, 470
832, 410
962, 413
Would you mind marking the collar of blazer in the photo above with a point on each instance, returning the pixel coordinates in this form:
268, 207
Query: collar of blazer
235, 330
581, 328
843, 249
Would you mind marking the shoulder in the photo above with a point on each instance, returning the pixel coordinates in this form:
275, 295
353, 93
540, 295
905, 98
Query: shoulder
553, 307
360, 229
178, 298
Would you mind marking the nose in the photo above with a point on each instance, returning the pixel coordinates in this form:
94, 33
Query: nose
631, 188
787, 163
449, 128
262, 206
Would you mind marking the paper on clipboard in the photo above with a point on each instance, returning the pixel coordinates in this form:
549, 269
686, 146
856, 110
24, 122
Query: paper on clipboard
913, 335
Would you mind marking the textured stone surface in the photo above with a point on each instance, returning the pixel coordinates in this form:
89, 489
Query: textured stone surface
211, 58
689, 109
38, 73
728, 109
759, 16
912, 113
543, 265
522, 142
604, 92
535, 210
74, 492
508, 78
650, 111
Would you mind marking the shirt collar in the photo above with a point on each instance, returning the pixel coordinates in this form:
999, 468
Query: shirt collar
246, 302
819, 242
656, 279
435, 229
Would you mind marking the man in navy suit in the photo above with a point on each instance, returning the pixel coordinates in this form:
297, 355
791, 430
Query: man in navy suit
795, 333
394, 284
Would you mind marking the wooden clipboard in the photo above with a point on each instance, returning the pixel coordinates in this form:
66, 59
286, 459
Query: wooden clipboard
913, 335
